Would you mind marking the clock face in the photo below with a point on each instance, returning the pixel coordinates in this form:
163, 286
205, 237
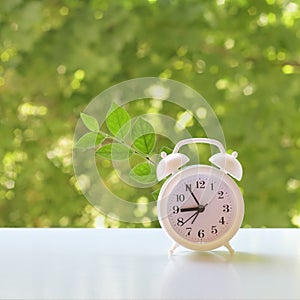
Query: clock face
201, 205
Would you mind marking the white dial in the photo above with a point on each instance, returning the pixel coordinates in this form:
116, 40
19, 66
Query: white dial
200, 207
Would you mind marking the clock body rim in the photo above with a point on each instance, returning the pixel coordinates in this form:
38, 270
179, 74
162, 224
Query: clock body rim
166, 190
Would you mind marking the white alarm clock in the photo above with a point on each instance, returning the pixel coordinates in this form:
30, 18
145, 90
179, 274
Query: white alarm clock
200, 207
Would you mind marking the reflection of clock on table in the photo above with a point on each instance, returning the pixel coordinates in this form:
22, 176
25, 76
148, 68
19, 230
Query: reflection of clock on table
205, 275
200, 206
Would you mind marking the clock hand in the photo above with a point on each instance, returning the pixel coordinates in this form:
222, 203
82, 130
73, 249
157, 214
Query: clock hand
200, 208
189, 209
193, 215
193, 195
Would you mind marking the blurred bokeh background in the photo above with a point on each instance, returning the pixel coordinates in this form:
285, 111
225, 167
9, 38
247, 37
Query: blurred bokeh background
57, 55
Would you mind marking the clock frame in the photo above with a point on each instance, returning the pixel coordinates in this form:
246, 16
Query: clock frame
200, 207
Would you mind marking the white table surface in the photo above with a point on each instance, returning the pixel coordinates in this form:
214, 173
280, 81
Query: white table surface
134, 264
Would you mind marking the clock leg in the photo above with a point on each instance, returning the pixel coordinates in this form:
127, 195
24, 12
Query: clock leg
174, 246
229, 248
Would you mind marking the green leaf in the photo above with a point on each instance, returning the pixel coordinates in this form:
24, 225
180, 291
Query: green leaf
90, 140
144, 172
100, 138
114, 151
118, 121
143, 136
90, 122
155, 194
166, 149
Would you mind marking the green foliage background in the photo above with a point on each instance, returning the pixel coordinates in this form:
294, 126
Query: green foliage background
56, 55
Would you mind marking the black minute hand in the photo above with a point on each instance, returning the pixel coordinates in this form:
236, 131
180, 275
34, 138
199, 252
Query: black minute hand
190, 190
193, 215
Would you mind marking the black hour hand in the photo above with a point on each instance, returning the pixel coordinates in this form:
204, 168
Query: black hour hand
189, 209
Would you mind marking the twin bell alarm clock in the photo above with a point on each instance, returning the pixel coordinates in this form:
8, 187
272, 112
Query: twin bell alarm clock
200, 207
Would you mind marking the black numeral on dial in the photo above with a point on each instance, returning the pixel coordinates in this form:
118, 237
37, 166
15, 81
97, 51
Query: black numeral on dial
175, 209
214, 229
180, 221
201, 234
226, 208
200, 184
180, 197
188, 231
222, 221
